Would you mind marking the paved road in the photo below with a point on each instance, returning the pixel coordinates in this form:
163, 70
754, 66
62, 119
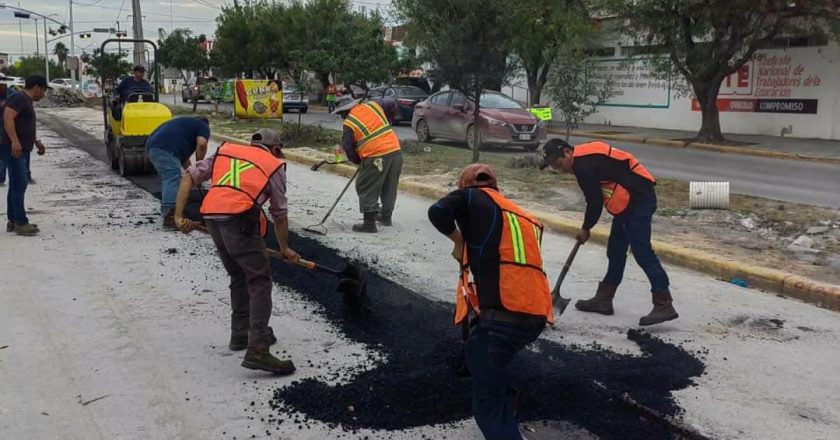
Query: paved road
791, 181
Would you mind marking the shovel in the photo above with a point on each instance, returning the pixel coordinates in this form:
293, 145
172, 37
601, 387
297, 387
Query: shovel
319, 228
352, 278
556, 298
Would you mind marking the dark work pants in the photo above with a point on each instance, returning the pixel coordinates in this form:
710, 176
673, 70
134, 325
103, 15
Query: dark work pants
375, 184
632, 229
491, 347
15, 207
242, 251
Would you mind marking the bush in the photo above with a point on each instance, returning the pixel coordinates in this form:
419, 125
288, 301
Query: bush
524, 161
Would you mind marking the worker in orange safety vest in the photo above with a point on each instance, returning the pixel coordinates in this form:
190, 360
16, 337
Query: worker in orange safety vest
502, 284
614, 179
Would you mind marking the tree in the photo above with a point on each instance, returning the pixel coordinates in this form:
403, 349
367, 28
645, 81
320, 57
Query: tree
35, 66
183, 52
61, 52
107, 65
366, 57
467, 42
706, 41
574, 87
543, 28
252, 38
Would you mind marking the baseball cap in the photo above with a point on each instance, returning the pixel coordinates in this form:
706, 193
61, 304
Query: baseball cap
267, 137
140, 67
477, 174
36, 81
552, 150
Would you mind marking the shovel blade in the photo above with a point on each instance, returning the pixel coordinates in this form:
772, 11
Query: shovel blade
561, 305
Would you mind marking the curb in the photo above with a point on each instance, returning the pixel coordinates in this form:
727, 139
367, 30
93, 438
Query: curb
815, 292
699, 146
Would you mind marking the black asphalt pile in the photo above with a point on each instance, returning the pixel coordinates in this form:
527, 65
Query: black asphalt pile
415, 384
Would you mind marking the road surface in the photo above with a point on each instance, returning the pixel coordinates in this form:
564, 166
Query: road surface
791, 181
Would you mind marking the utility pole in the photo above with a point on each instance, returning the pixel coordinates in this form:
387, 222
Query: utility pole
37, 40
20, 28
72, 47
46, 53
139, 48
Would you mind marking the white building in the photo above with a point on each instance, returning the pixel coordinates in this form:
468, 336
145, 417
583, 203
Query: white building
793, 85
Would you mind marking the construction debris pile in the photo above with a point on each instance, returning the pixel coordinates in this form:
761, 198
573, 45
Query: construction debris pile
62, 97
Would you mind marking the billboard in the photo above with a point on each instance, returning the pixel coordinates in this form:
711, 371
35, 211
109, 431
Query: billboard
258, 99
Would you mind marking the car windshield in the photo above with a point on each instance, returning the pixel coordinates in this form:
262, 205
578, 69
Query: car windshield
410, 91
495, 100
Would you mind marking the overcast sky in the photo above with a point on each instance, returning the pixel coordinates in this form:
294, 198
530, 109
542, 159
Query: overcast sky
197, 15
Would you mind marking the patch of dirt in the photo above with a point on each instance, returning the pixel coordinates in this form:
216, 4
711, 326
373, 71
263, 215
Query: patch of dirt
726, 143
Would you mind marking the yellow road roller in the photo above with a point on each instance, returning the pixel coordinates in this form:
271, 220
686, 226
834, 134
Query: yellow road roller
128, 124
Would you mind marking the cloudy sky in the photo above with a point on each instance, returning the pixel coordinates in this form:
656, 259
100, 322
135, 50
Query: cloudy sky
17, 37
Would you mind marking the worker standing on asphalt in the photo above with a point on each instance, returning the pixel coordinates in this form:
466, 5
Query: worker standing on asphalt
16, 143
330, 93
500, 244
169, 148
614, 179
243, 178
370, 141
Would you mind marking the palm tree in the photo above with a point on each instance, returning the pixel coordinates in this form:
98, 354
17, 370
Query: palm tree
61, 52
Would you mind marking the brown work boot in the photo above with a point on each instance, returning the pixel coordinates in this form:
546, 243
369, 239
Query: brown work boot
10, 226
240, 342
369, 224
384, 220
27, 230
262, 359
169, 222
601, 302
663, 309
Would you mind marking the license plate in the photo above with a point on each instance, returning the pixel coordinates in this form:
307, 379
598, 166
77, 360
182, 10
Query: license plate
524, 137
293, 98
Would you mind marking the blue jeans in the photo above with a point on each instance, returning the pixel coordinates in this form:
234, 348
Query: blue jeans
632, 229
2, 170
491, 347
169, 168
15, 210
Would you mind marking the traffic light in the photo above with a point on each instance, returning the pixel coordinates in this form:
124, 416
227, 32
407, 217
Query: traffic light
84, 35
121, 34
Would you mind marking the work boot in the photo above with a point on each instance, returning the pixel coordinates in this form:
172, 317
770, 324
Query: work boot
601, 302
27, 230
369, 224
31, 181
10, 226
663, 309
384, 220
169, 221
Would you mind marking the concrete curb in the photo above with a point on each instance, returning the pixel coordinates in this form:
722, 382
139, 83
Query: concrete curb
822, 294
700, 146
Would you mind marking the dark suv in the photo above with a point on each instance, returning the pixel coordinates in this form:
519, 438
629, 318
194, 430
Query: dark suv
198, 87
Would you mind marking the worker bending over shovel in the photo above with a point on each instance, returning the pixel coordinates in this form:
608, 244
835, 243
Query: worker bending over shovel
614, 179
243, 178
500, 244
370, 141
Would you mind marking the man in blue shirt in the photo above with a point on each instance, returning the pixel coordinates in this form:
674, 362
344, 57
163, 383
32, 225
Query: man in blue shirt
135, 84
169, 148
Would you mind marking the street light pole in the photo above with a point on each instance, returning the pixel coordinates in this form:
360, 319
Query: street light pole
46, 53
37, 41
72, 47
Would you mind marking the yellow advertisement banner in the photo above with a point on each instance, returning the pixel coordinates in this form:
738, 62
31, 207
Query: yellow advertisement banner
542, 113
258, 99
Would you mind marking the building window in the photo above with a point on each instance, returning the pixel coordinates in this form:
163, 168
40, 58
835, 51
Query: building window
796, 41
642, 50
601, 52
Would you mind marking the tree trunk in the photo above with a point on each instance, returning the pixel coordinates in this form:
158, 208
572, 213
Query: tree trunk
324, 78
707, 93
533, 87
476, 129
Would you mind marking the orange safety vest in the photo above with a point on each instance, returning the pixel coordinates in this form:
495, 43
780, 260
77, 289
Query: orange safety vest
371, 130
523, 286
616, 197
240, 174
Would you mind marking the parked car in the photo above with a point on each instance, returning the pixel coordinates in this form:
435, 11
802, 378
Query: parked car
406, 96
419, 82
502, 121
13, 82
62, 83
198, 87
294, 99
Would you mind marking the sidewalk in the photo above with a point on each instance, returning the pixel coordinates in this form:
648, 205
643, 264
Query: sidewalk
767, 146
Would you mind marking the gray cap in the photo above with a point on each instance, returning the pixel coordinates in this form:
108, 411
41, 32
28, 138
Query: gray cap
345, 104
267, 137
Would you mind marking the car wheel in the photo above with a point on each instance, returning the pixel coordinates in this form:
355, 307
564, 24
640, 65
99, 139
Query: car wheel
303, 110
183, 97
422, 130
531, 147
471, 137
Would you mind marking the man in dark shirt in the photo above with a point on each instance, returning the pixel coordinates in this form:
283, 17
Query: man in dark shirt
135, 84
169, 148
18, 139
604, 173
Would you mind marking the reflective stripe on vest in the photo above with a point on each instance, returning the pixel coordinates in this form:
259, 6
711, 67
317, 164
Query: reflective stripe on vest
616, 197
523, 286
240, 174
372, 132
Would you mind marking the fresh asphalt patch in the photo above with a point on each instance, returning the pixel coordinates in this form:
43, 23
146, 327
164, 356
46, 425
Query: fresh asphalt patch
413, 384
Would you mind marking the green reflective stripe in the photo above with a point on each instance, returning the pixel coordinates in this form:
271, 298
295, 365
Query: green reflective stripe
516, 237
375, 108
379, 132
233, 176
358, 124
537, 236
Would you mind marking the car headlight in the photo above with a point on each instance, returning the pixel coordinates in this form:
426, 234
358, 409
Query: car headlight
540, 123
496, 122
